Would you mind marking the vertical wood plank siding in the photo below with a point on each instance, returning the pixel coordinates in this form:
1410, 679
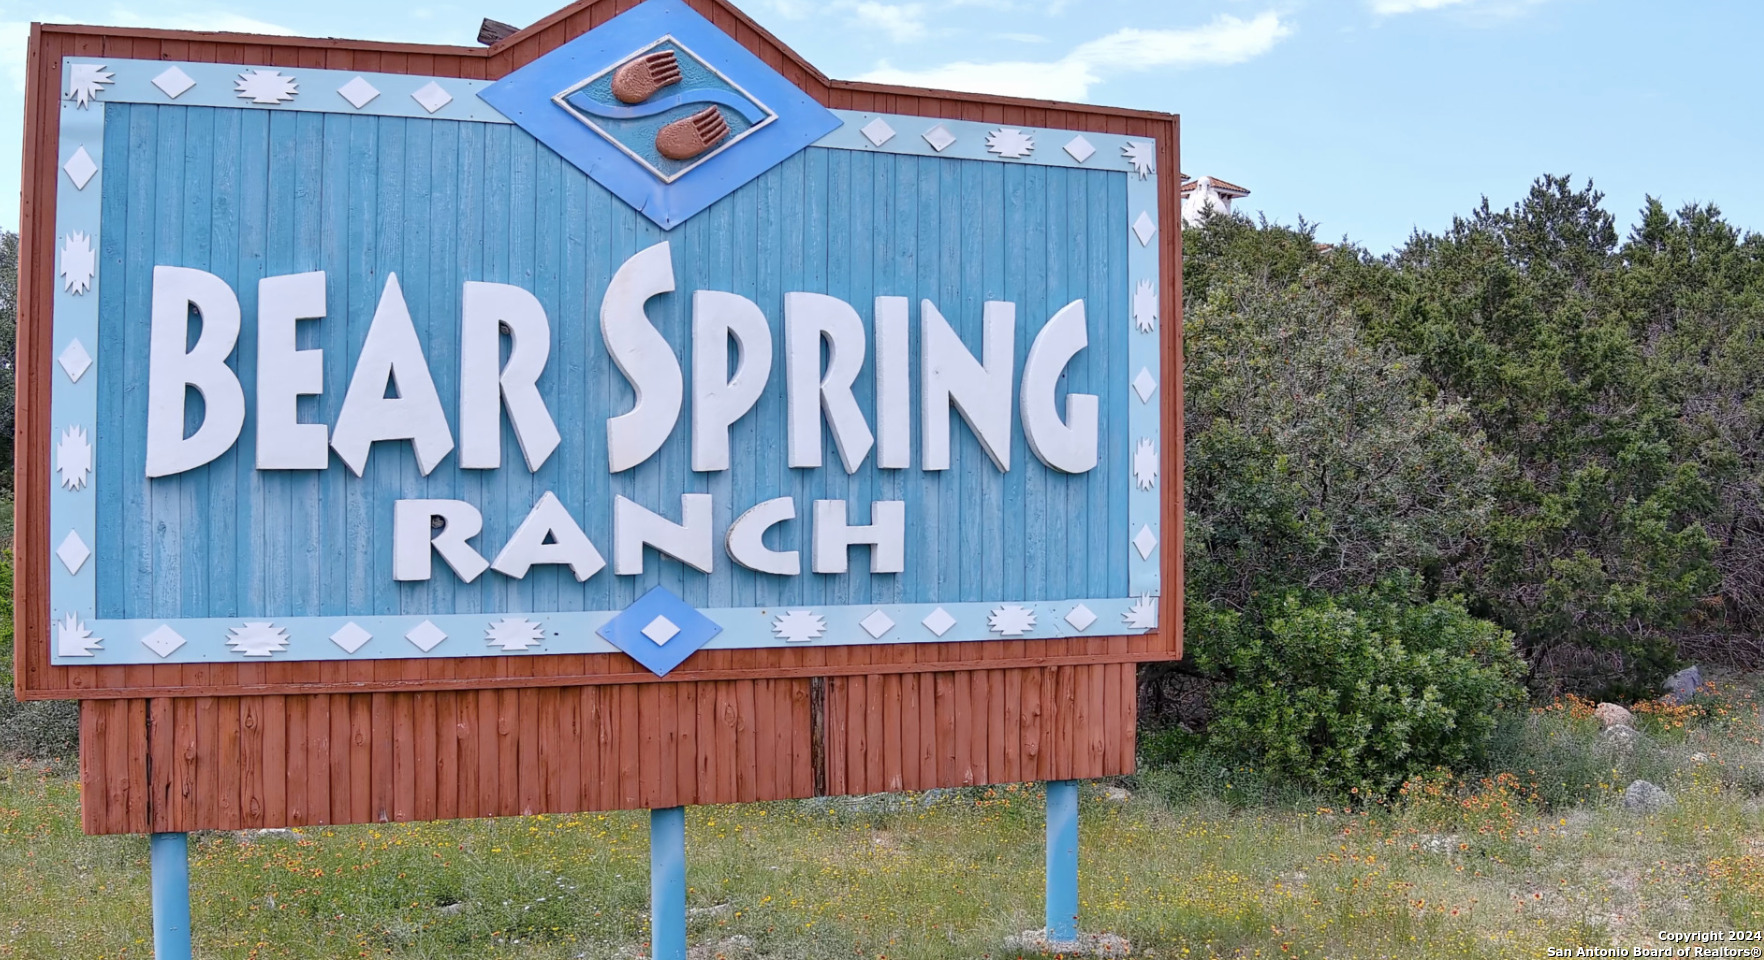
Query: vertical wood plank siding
248, 762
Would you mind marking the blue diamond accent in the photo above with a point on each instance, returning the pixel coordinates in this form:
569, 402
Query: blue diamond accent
565, 99
661, 613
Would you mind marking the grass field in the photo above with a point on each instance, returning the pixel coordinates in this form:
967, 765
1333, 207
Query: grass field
1193, 865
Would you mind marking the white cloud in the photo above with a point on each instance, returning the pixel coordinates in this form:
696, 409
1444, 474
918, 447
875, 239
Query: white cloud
902, 22
1409, 6
1225, 40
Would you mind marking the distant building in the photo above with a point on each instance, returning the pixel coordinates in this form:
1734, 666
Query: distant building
1204, 192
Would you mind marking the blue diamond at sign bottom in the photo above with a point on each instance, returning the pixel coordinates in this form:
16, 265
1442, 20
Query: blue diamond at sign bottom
660, 630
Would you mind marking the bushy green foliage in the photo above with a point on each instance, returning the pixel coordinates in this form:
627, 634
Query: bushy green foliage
40, 729
1359, 693
1599, 549
1314, 459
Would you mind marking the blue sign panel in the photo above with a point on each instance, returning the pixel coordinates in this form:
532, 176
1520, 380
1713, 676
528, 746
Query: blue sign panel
637, 350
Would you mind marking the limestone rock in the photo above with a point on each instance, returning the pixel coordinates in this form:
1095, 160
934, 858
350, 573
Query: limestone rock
1682, 686
1643, 797
1087, 945
1621, 736
1611, 715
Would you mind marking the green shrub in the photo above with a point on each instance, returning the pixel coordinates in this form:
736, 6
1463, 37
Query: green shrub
48, 730
1356, 694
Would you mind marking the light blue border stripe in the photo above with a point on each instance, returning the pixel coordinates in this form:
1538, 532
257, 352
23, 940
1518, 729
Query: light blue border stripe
316, 90
75, 404
1143, 506
744, 628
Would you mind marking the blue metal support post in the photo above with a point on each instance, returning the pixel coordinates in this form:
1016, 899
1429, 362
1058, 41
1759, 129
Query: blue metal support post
1062, 860
667, 883
170, 857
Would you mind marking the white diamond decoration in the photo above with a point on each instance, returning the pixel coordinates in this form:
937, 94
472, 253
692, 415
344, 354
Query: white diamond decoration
431, 97
939, 137
1145, 385
877, 624
75, 360
938, 622
358, 92
1144, 228
661, 630
80, 167
173, 82
425, 636
350, 637
73, 552
1080, 149
1081, 617
163, 641
1145, 542
878, 131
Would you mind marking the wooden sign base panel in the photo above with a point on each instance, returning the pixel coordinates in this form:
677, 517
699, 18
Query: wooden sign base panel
231, 763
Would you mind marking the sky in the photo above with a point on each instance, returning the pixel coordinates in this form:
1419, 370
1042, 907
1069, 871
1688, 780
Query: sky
1369, 118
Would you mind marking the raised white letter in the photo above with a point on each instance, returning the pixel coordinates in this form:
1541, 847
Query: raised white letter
894, 405
809, 317
391, 355
643, 356
719, 400
746, 539
171, 371
285, 374
981, 392
549, 521
414, 538
688, 541
886, 535
483, 391
1069, 446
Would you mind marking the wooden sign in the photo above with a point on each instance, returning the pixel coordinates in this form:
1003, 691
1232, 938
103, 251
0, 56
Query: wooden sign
621, 416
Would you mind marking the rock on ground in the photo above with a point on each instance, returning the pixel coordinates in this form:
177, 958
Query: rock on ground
1087, 944
1683, 685
1643, 797
1620, 735
1612, 715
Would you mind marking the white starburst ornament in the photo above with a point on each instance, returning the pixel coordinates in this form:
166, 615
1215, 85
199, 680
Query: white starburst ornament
1145, 307
73, 639
1011, 620
73, 458
78, 263
257, 639
266, 86
1145, 464
514, 633
1143, 156
1010, 143
85, 81
1143, 615
799, 626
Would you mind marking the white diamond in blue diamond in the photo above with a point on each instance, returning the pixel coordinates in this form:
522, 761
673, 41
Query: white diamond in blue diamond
660, 630
666, 108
